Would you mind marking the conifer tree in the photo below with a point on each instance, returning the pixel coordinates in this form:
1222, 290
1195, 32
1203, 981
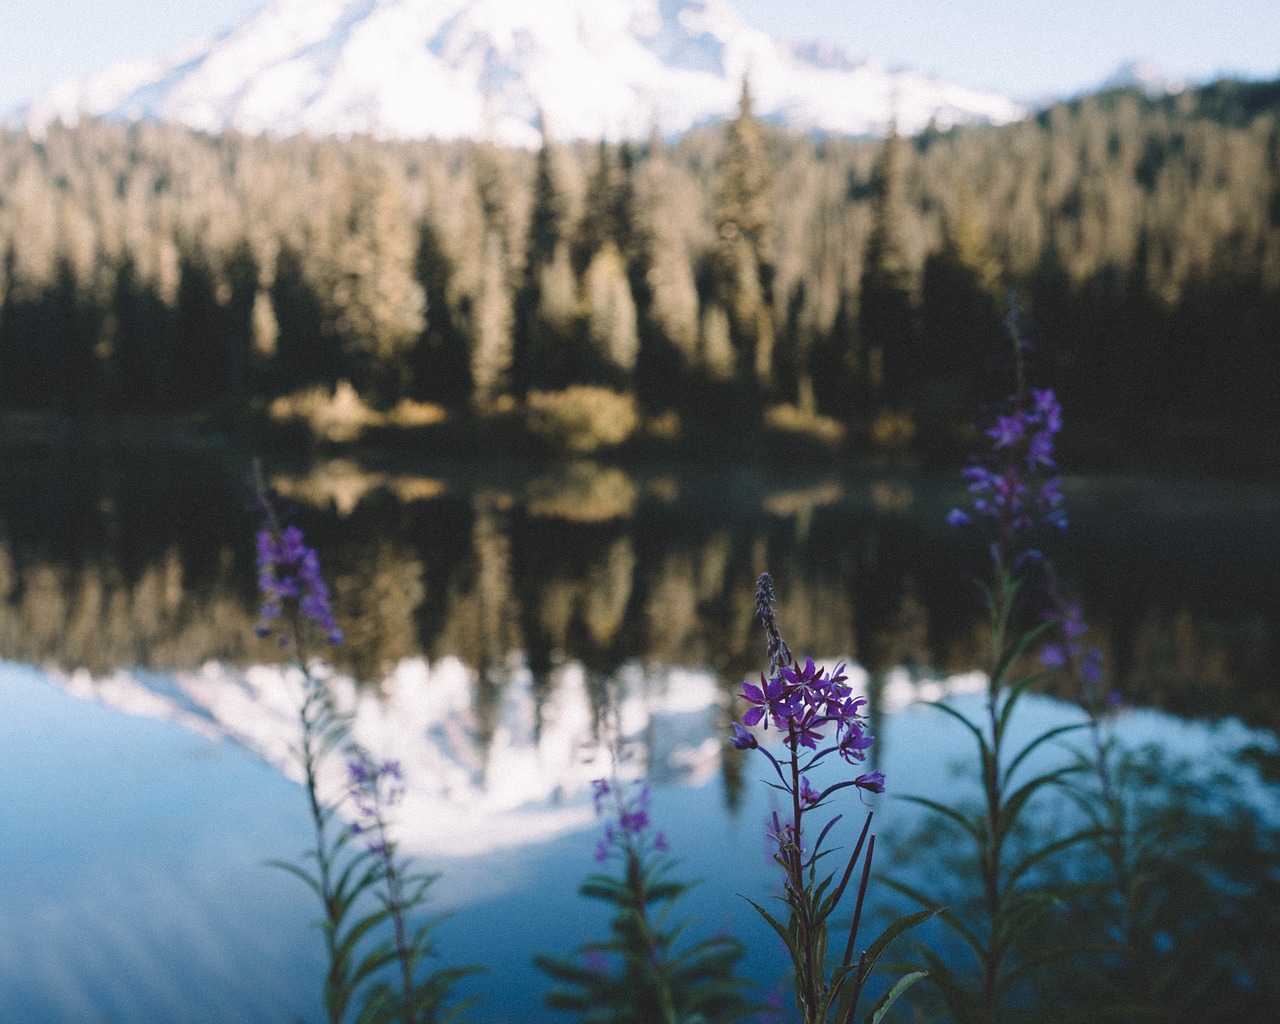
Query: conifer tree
599, 211
745, 244
379, 305
545, 306
960, 307
611, 314
440, 362
886, 314
491, 351
667, 296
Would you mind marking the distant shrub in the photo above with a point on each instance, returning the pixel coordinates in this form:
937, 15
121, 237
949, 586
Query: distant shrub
893, 429
795, 422
582, 418
341, 415
583, 492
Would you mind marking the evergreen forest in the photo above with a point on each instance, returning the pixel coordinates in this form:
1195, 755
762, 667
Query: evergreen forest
737, 283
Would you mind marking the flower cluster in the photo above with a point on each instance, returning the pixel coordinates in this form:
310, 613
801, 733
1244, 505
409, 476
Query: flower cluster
289, 580
1070, 653
805, 700
1017, 486
373, 787
628, 820
807, 703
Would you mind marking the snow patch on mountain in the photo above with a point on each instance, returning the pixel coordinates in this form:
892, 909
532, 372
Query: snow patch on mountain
488, 68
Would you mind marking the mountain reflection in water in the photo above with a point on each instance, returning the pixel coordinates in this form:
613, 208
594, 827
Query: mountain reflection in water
145, 562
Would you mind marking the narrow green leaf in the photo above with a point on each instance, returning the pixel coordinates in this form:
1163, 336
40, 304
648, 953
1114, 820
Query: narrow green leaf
951, 813
1043, 853
1020, 647
1040, 740
895, 929
969, 936
890, 997
1015, 692
301, 873
965, 721
1018, 799
785, 934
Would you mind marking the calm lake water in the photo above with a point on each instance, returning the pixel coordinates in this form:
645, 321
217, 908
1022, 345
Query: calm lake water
145, 733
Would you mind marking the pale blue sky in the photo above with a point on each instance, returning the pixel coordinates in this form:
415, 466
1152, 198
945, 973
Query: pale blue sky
1027, 49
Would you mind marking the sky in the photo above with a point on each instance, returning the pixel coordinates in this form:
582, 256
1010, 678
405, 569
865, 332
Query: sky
1026, 49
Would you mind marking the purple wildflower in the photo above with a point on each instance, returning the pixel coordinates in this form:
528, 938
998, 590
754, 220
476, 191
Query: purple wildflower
854, 744
628, 824
803, 730
599, 790
742, 739
776, 649
595, 960
872, 782
289, 580
1013, 489
374, 787
770, 700
1068, 652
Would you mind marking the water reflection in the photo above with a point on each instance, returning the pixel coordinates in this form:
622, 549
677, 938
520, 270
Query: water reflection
144, 562
490, 610
479, 778
163, 839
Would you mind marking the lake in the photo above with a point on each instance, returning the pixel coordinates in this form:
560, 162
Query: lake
493, 612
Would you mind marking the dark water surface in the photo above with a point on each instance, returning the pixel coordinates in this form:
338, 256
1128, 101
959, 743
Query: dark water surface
491, 610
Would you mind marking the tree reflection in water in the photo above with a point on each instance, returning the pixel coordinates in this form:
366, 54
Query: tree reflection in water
141, 562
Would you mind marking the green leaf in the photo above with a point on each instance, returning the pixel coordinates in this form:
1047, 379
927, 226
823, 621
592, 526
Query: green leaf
950, 812
1018, 799
293, 869
895, 929
969, 936
890, 997
1047, 956
1018, 913
1019, 648
1048, 850
1043, 738
966, 722
784, 933
1015, 692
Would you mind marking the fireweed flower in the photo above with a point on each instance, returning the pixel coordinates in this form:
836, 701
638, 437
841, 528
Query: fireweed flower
626, 831
290, 583
819, 716
1069, 653
1016, 487
742, 739
1014, 492
771, 700
374, 787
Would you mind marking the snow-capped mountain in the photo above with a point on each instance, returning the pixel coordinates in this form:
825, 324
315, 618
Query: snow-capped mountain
485, 68
1141, 74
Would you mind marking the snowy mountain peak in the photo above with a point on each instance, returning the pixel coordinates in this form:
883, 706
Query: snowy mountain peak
1141, 74
470, 68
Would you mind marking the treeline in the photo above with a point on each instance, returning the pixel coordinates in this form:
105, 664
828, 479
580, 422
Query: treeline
149, 269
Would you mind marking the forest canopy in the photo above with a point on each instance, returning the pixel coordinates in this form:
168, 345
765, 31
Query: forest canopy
737, 275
